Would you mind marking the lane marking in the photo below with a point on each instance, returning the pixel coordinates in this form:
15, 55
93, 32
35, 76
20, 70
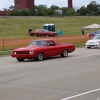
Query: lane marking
81, 94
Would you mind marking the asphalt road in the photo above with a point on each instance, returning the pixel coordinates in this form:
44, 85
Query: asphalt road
76, 77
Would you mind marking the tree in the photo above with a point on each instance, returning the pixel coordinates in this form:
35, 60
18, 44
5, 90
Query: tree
70, 12
11, 7
50, 12
82, 11
5, 9
41, 10
92, 8
64, 10
25, 12
54, 7
32, 12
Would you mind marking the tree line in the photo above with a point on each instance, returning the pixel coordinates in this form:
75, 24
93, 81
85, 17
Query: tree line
92, 9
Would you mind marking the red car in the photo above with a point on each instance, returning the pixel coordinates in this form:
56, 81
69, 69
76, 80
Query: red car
44, 48
43, 32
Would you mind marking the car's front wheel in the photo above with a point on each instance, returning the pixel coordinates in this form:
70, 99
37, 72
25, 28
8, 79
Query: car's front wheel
20, 59
35, 34
47, 34
53, 35
88, 47
40, 56
64, 53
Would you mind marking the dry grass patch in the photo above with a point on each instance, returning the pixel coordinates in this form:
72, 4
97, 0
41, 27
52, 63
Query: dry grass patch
12, 43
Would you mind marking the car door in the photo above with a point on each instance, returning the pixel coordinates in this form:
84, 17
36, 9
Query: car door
40, 32
52, 48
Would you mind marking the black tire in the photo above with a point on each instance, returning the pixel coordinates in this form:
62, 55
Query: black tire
64, 53
35, 34
53, 35
20, 59
40, 56
47, 34
88, 47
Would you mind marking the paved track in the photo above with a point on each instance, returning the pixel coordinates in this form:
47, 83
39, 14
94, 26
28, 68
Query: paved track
76, 77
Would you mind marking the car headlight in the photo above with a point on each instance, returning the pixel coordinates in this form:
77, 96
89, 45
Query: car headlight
14, 52
97, 42
31, 52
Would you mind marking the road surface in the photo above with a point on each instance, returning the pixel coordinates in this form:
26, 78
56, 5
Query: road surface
76, 77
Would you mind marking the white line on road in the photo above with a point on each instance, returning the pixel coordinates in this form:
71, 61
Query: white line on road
81, 94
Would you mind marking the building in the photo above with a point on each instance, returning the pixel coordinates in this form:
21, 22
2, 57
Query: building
18, 5
23, 4
3, 13
27, 4
70, 5
58, 11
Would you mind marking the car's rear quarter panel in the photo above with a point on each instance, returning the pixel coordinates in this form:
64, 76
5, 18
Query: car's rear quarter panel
69, 47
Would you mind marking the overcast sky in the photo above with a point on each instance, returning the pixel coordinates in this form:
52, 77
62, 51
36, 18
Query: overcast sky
60, 3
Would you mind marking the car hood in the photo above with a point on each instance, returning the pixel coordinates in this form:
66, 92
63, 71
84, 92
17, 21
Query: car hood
97, 40
27, 48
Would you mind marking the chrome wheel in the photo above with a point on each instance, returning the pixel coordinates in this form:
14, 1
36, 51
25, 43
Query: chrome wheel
64, 53
40, 56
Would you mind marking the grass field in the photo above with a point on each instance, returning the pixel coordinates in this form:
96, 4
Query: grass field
18, 26
13, 30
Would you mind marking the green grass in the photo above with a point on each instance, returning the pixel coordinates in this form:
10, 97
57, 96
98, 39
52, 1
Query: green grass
5, 53
80, 45
18, 26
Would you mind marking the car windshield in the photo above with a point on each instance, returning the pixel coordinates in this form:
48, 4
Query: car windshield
41, 30
45, 30
38, 30
96, 37
96, 32
38, 43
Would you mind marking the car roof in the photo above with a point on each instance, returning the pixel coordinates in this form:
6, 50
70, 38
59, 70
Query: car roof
41, 29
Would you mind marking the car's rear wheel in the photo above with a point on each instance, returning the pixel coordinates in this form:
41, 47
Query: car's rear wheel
64, 53
20, 59
40, 56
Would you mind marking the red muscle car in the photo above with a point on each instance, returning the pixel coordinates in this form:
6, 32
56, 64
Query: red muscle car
42, 48
42, 32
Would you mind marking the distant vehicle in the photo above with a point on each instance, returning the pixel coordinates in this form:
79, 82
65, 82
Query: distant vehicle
94, 42
40, 49
42, 32
92, 34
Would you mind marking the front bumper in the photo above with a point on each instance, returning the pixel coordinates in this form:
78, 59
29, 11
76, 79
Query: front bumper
94, 45
25, 56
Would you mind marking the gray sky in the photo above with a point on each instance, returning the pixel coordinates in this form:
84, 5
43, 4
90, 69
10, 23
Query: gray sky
60, 3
